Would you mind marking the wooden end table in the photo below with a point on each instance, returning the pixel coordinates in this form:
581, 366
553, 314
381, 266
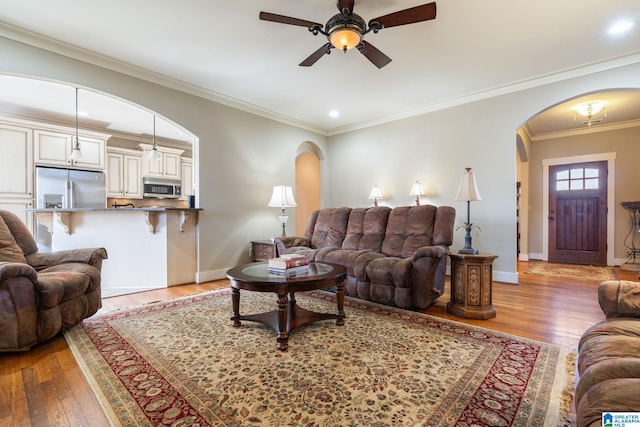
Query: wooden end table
471, 283
263, 250
288, 316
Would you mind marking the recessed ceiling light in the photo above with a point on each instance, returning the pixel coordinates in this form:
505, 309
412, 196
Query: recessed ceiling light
334, 113
82, 113
621, 27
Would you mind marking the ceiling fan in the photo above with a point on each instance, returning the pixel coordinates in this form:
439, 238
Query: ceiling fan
346, 30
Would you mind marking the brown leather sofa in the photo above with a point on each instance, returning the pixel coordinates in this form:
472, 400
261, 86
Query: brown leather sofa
609, 356
393, 256
44, 293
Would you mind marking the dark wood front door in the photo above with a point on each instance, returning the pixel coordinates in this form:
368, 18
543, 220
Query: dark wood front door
578, 213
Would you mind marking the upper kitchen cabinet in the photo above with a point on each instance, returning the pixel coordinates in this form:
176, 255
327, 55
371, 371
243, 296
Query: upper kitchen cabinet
16, 162
124, 173
53, 148
168, 166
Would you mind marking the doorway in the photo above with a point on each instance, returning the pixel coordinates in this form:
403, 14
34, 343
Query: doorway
578, 213
547, 164
307, 181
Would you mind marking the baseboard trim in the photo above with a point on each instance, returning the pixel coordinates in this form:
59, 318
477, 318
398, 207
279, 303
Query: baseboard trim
211, 275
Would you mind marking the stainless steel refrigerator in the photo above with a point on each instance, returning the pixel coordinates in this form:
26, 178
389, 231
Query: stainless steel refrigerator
66, 189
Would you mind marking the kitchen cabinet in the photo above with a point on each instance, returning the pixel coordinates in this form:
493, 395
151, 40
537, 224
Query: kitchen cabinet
16, 171
52, 148
187, 177
168, 166
16, 162
124, 173
18, 206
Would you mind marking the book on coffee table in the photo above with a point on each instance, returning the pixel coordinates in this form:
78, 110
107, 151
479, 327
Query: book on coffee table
293, 271
287, 262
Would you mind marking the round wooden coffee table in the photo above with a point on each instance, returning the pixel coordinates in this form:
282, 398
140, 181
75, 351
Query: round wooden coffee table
288, 315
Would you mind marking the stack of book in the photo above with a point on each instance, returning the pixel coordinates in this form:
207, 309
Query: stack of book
289, 264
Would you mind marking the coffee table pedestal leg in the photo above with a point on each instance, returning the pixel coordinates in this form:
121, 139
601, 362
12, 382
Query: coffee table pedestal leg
340, 303
283, 315
235, 302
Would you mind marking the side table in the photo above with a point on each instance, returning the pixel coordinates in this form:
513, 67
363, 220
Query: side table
263, 250
471, 283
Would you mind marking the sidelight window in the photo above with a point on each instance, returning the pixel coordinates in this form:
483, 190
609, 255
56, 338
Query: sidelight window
577, 179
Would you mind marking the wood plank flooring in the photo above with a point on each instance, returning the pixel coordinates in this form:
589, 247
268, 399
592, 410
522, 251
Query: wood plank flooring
45, 387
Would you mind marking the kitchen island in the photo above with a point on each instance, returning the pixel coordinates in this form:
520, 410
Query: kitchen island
148, 248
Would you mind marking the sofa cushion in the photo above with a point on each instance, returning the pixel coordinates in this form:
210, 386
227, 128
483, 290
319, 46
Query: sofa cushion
408, 228
10, 251
619, 298
366, 229
20, 232
330, 228
609, 339
65, 282
615, 395
419, 232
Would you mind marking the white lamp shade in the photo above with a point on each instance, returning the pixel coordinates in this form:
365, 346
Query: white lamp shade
154, 154
375, 193
417, 190
468, 190
282, 197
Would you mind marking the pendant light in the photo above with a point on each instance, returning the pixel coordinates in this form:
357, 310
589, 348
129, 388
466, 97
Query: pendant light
76, 154
153, 154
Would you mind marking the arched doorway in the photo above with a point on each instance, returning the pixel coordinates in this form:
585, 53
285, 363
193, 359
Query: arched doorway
560, 135
307, 181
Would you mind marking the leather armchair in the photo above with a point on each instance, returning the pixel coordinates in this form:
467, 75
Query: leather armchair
42, 294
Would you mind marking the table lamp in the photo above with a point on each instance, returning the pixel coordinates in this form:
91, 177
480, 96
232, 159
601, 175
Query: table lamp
282, 197
468, 191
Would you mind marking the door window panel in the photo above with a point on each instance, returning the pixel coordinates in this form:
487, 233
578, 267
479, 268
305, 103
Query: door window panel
577, 179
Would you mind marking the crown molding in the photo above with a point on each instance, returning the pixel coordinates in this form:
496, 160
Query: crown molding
52, 45
596, 67
581, 131
37, 40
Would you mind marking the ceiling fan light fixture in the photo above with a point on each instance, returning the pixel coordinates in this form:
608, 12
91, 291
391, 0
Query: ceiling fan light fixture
345, 38
345, 31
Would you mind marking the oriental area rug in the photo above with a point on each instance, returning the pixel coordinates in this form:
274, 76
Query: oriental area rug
181, 362
589, 273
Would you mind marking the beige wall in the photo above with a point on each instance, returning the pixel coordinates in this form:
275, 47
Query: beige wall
240, 156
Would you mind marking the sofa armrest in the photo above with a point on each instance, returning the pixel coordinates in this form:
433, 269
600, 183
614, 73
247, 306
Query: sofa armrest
429, 251
619, 298
18, 302
283, 243
91, 256
9, 270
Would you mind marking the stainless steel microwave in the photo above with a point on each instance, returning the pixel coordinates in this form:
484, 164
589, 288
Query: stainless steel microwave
161, 188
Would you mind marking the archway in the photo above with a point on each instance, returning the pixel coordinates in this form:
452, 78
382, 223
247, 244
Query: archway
307, 181
560, 135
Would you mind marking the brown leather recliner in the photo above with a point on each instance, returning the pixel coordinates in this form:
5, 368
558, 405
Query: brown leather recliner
43, 293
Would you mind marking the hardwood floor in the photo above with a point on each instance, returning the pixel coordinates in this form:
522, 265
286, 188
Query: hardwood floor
45, 387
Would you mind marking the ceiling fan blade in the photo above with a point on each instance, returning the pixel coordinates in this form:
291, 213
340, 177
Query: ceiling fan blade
407, 16
266, 16
313, 58
346, 4
376, 57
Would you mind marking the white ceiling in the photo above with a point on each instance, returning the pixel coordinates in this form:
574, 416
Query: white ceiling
221, 50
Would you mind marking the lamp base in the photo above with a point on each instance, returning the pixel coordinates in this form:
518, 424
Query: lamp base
283, 219
468, 249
